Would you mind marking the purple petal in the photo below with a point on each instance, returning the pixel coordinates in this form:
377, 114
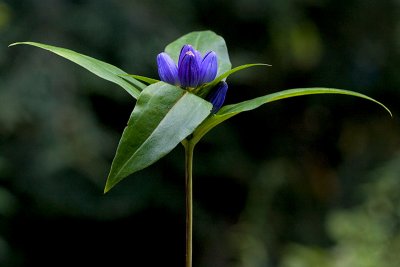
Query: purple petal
208, 68
183, 52
217, 96
188, 70
167, 69
199, 57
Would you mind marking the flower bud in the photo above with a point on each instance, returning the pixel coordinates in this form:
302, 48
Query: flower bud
188, 70
217, 96
167, 69
208, 68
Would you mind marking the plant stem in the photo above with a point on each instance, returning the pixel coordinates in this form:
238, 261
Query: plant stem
189, 147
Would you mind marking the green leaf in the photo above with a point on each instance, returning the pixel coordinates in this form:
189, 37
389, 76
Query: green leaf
204, 90
236, 69
163, 116
229, 111
100, 68
141, 78
203, 41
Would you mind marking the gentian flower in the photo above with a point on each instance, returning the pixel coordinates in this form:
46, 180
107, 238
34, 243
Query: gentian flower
167, 69
217, 96
192, 70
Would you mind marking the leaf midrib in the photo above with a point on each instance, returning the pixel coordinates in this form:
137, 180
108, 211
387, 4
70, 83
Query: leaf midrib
150, 135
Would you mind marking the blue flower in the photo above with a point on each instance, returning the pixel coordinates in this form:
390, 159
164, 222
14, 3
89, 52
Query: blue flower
167, 69
217, 96
193, 70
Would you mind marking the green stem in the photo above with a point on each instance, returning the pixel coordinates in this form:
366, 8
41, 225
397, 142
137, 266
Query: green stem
189, 147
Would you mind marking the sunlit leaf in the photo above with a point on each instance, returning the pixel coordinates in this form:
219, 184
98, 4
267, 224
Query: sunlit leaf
203, 41
229, 111
163, 116
100, 68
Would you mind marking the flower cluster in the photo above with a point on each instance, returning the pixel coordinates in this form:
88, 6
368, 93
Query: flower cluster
193, 70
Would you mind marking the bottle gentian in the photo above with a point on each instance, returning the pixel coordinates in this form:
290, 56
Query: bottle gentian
147, 136
193, 70
217, 96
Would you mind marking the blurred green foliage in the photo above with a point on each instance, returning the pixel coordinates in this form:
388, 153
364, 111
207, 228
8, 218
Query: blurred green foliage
317, 185
367, 234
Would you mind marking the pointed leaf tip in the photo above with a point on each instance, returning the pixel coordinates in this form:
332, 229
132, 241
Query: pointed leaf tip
102, 69
107, 188
163, 116
229, 111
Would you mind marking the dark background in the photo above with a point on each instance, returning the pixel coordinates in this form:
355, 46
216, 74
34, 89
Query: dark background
311, 181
